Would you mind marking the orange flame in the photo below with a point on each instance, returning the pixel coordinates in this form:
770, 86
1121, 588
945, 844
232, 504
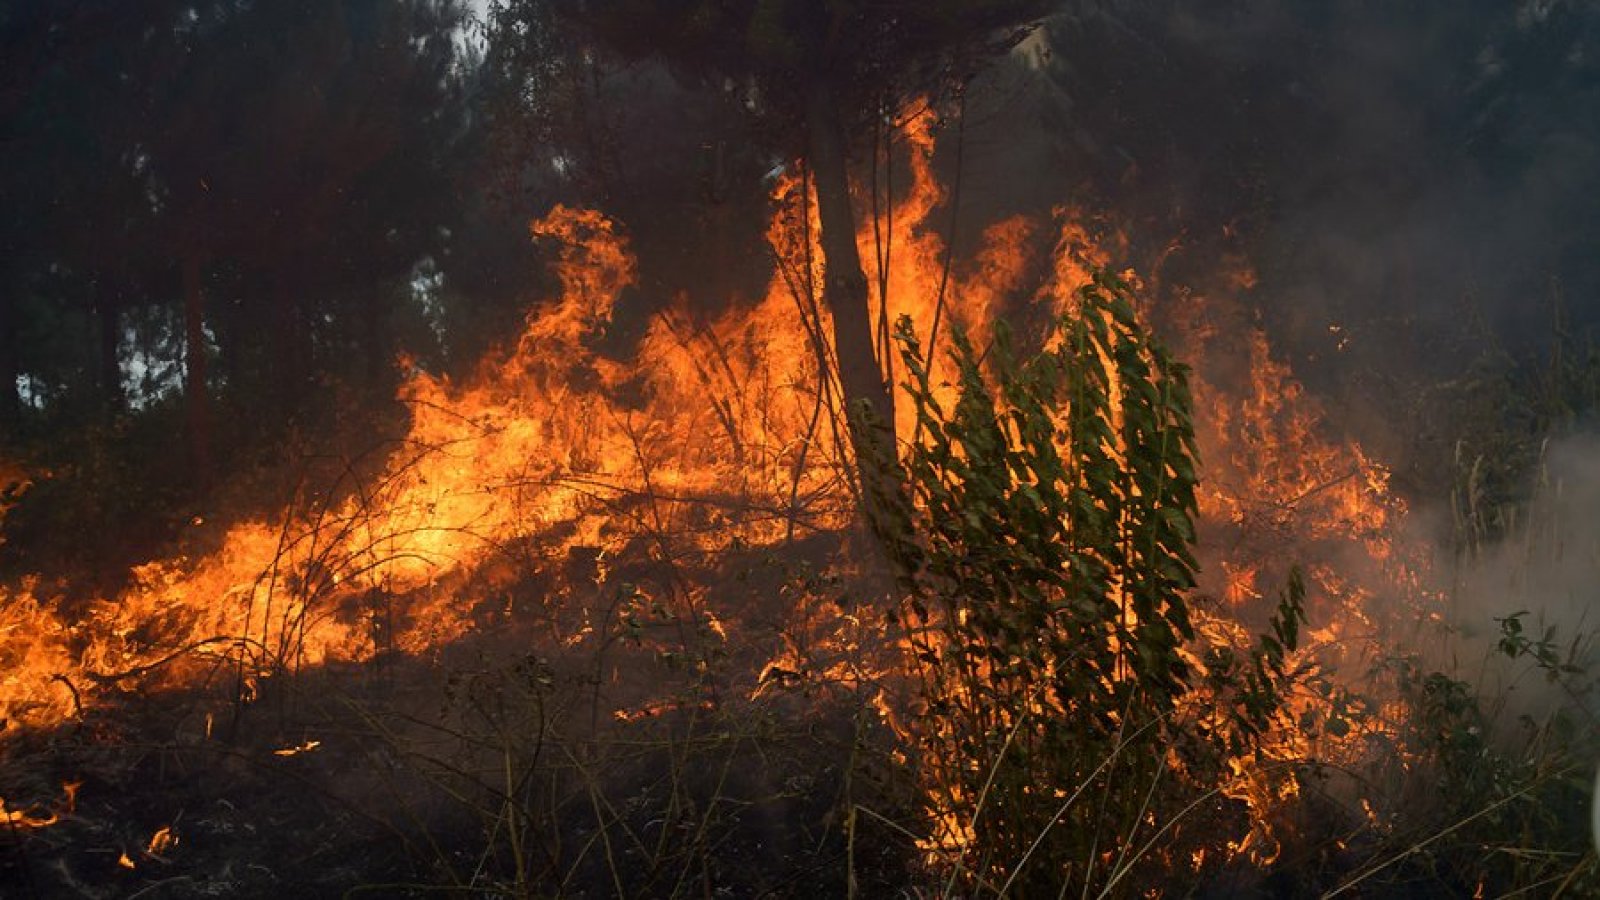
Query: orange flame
714, 433
36, 816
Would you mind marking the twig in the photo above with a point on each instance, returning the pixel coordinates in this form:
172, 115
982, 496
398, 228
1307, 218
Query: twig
159, 884
114, 677
77, 701
1379, 867
955, 209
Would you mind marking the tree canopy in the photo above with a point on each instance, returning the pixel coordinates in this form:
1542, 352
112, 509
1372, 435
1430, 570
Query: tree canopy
215, 206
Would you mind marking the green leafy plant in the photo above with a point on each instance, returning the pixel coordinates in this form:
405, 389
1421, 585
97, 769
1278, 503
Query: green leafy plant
1046, 545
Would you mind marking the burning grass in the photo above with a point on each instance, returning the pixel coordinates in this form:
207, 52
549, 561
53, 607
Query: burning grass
606, 626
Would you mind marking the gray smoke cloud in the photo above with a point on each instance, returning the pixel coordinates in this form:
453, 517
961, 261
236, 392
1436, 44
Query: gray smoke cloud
1544, 570
1413, 184
1396, 169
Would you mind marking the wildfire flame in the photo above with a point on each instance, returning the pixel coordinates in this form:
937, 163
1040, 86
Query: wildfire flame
36, 815
162, 842
714, 433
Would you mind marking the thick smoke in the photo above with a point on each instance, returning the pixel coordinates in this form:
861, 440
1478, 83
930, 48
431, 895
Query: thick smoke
1411, 186
1403, 177
1412, 183
1544, 572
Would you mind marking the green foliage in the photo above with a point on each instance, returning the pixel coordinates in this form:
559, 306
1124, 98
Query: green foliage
1500, 417
1515, 643
1490, 806
1254, 684
1047, 547
265, 141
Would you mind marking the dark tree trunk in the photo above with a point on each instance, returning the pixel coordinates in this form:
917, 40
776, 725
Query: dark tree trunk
375, 312
10, 368
869, 403
197, 403
108, 313
292, 340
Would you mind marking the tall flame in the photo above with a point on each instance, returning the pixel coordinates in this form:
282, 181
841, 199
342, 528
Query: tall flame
715, 432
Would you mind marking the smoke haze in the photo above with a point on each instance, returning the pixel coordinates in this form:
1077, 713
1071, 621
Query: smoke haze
1545, 571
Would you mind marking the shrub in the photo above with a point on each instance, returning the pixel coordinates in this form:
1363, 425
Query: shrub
1046, 544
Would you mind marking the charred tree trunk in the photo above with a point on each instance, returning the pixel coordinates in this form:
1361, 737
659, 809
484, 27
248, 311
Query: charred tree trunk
197, 402
108, 313
380, 345
10, 369
868, 401
292, 341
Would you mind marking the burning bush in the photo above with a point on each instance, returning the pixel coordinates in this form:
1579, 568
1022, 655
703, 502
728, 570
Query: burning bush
1048, 552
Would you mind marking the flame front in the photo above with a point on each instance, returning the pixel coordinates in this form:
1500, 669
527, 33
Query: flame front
714, 433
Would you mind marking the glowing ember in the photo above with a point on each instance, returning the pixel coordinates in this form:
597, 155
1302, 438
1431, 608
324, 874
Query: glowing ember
163, 842
31, 817
36, 815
